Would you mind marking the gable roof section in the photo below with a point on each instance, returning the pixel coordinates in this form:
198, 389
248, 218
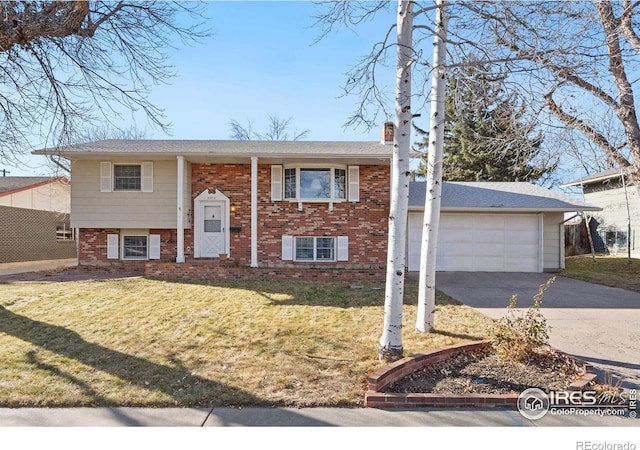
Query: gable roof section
497, 197
228, 148
11, 185
596, 178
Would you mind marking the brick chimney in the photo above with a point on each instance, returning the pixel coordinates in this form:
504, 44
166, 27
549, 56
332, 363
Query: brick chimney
387, 133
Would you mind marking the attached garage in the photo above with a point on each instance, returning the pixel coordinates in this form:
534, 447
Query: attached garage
493, 227
481, 242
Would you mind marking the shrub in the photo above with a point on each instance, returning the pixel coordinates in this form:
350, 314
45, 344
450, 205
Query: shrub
518, 336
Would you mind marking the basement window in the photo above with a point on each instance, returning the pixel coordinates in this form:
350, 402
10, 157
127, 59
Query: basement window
315, 249
134, 247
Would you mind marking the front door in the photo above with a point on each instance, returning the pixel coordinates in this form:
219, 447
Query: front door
211, 225
213, 230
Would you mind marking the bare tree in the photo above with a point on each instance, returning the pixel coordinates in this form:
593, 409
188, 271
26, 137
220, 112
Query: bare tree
571, 61
64, 65
577, 60
431, 220
278, 129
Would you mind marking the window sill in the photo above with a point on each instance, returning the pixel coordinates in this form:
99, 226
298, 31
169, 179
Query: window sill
318, 261
315, 200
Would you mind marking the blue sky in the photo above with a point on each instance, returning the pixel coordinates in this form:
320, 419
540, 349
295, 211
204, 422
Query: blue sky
261, 59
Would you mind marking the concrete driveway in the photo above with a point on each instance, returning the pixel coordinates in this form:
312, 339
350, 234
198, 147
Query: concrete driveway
597, 324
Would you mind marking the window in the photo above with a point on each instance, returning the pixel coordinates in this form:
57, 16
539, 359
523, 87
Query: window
615, 239
310, 183
134, 247
127, 177
315, 249
64, 232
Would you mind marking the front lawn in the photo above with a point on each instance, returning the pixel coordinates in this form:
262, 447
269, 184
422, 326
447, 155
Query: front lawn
617, 272
139, 342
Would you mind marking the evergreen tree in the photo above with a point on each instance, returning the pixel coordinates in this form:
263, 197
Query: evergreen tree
487, 137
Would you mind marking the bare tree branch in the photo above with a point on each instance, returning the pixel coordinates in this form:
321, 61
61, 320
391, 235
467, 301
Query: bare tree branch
64, 65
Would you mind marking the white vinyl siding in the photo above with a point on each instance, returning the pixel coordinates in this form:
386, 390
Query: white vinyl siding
92, 208
615, 216
552, 243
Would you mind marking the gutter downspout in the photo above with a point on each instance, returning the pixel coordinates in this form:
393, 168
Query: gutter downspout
180, 211
254, 211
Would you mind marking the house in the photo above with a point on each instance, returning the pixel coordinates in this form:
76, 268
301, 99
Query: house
616, 227
494, 226
290, 206
297, 209
40, 193
34, 219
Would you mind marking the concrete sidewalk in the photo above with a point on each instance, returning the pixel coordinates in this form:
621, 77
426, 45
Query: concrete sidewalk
291, 417
14, 268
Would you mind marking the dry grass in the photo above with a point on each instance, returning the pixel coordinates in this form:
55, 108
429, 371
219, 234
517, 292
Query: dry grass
617, 272
141, 342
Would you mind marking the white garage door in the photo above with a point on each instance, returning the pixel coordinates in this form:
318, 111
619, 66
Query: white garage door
481, 242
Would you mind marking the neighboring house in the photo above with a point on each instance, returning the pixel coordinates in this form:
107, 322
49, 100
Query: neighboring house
288, 209
34, 219
616, 228
494, 226
40, 193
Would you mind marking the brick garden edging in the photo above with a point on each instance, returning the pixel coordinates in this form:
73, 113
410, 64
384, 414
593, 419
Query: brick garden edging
383, 378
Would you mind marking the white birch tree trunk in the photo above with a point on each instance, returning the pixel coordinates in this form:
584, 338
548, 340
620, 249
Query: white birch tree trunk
431, 221
390, 344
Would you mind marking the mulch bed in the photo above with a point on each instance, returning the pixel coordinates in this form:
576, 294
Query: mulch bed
484, 372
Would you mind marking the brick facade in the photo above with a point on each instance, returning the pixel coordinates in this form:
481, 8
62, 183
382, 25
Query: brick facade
364, 222
30, 235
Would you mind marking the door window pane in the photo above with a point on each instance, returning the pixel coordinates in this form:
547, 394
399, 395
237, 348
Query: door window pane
212, 219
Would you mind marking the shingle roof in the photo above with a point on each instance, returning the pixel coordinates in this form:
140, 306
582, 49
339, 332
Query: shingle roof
227, 148
8, 184
596, 177
490, 196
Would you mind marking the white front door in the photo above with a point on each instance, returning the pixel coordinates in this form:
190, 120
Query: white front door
213, 229
211, 225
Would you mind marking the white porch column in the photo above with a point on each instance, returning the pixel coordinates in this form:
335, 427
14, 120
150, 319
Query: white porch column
180, 211
254, 211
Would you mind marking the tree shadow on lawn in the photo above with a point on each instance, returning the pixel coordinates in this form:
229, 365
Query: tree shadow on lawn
184, 388
339, 294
